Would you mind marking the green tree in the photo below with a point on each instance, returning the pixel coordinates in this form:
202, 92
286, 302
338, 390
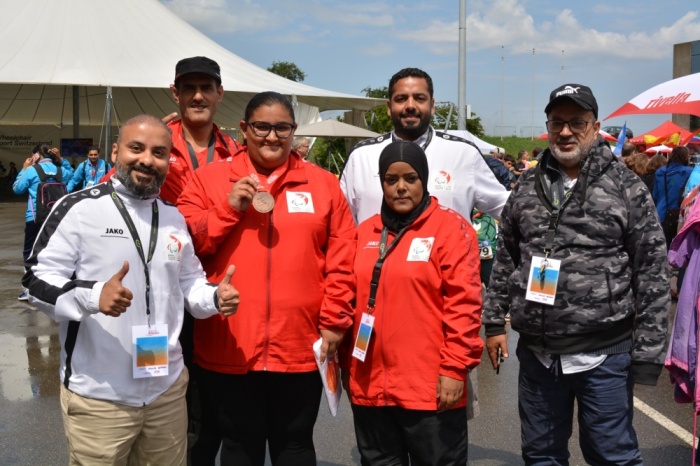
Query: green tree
378, 119
447, 110
287, 70
329, 154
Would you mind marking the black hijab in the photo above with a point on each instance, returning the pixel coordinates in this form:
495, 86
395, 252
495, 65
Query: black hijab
412, 154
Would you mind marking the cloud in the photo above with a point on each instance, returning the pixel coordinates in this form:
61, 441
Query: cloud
224, 16
507, 23
378, 50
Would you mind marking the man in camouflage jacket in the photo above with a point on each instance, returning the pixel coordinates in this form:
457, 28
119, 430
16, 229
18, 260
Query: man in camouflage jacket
606, 328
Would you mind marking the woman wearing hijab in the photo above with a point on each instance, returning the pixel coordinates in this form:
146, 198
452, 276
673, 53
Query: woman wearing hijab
416, 325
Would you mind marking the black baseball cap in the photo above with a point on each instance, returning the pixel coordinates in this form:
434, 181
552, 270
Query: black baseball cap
202, 65
581, 95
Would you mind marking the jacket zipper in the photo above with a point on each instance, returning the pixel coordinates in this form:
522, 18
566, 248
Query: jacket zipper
384, 389
268, 291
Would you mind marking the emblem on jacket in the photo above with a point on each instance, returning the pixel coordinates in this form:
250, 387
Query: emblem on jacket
174, 248
299, 202
420, 248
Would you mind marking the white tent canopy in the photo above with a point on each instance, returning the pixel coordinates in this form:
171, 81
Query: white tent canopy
334, 129
49, 46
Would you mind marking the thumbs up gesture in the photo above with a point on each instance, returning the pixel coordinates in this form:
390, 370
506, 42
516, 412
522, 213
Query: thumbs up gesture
115, 297
228, 295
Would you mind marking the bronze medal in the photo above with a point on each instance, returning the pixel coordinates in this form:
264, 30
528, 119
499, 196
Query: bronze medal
263, 202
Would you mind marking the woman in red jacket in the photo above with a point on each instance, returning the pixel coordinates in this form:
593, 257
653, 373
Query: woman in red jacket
284, 223
417, 319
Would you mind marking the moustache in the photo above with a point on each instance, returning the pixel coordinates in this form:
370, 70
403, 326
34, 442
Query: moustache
145, 170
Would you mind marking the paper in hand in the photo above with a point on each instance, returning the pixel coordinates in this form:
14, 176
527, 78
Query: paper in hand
330, 375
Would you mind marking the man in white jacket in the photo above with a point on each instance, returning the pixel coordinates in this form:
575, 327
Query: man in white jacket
459, 176
115, 266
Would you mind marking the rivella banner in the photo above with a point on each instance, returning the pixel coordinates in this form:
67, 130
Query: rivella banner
17, 142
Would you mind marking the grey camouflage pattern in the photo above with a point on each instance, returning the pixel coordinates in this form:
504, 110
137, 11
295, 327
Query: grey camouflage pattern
614, 277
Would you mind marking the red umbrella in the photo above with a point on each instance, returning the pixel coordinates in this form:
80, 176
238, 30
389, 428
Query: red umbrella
680, 95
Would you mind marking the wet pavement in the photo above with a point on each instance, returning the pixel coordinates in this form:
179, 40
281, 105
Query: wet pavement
31, 431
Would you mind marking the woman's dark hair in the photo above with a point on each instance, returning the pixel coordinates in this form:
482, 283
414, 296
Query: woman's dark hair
44, 152
268, 98
680, 155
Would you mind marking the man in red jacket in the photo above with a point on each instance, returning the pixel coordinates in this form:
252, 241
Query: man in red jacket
196, 139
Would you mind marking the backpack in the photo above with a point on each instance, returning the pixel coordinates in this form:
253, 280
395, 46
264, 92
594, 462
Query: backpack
47, 193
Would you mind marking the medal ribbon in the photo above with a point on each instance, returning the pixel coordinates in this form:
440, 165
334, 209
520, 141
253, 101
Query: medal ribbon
271, 181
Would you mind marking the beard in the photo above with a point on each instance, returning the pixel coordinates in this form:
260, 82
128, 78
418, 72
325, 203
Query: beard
124, 176
413, 131
574, 157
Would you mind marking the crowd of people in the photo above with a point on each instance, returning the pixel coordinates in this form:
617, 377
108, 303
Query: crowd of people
191, 280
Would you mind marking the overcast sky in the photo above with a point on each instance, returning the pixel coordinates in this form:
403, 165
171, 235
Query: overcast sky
618, 48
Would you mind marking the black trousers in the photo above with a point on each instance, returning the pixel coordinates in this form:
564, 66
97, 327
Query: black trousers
31, 230
393, 436
203, 437
259, 407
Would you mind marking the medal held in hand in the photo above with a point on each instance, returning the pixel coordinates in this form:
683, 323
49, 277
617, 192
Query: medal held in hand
263, 202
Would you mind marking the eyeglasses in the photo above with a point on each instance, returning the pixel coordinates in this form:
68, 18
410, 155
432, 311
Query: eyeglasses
576, 126
262, 129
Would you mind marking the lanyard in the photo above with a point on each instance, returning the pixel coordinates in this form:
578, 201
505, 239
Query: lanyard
377, 271
560, 197
193, 155
137, 241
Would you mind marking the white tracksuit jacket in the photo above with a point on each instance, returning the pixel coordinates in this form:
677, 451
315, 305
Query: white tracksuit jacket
459, 177
82, 245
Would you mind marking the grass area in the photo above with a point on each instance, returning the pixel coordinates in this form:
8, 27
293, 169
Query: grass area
512, 144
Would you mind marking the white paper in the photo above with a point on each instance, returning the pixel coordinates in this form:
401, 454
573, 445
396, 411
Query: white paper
330, 375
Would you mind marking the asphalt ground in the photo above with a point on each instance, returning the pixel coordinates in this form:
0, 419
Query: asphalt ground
31, 430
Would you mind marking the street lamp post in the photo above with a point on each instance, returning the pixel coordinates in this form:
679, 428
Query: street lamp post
462, 65
502, 66
532, 117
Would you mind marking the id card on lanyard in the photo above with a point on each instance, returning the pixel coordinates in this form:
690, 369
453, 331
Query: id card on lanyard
364, 333
149, 342
543, 277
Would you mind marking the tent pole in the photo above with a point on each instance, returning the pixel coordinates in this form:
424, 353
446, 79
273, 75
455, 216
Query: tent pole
108, 125
76, 112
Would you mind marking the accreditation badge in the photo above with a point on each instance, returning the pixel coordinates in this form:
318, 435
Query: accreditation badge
150, 350
543, 279
363, 336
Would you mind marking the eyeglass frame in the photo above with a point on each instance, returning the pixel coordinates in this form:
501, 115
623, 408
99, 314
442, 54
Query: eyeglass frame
255, 130
568, 123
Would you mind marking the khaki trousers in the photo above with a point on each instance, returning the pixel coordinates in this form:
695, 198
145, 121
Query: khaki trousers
104, 432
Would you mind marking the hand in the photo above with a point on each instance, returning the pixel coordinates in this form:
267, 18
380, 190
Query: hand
449, 392
228, 296
115, 298
492, 344
242, 193
331, 341
56, 153
168, 118
28, 163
